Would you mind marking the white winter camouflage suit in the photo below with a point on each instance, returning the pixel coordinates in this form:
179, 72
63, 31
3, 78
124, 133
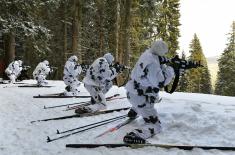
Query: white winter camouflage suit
13, 70
40, 73
72, 70
147, 77
98, 80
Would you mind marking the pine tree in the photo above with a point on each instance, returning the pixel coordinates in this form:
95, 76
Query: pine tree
19, 22
225, 84
199, 78
168, 24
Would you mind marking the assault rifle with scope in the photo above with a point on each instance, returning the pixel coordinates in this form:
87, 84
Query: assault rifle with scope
178, 65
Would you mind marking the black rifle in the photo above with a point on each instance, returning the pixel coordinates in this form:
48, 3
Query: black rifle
54, 71
180, 64
26, 67
24, 73
85, 67
176, 63
53, 68
119, 67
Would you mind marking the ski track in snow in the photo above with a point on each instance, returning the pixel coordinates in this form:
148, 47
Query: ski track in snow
187, 119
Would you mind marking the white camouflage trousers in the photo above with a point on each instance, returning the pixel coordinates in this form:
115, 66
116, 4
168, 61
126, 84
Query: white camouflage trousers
73, 84
98, 95
41, 80
144, 106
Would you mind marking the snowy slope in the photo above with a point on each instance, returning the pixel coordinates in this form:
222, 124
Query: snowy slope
187, 119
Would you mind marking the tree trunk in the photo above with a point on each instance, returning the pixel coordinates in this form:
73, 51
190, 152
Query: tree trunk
76, 28
126, 36
65, 43
117, 28
10, 47
100, 6
121, 32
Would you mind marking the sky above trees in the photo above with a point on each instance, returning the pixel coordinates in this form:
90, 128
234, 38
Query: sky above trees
211, 20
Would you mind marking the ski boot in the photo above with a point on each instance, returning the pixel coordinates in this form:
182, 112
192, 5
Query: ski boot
83, 110
132, 138
92, 108
132, 114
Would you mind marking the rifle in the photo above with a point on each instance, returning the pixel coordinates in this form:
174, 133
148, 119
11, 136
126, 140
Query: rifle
120, 68
178, 64
24, 73
85, 67
26, 67
52, 69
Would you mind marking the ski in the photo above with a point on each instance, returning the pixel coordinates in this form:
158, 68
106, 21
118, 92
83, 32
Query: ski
89, 127
88, 103
82, 115
80, 103
116, 127
13, 83
35, 86
55, 94
61, 132
166, 146
59, 96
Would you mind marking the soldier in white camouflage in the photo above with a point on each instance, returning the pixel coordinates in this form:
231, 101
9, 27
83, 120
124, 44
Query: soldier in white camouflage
98, 81
147, 77
41, 72
14, 70
72, 70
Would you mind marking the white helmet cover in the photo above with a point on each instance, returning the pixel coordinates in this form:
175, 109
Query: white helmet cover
46, 62
109, 57
73, 58
20, 62
159, 47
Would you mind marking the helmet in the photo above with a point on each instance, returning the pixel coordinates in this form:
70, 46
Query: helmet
109, 57
159, 47
46, 62
73, 58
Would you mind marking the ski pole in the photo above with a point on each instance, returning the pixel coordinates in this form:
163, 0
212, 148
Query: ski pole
82, 115
58, 132
129, 120
73, 133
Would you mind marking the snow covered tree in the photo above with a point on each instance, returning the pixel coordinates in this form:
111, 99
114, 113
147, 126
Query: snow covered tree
151, 20
225, 84
199, 78
18, 21
56, 29
168, 24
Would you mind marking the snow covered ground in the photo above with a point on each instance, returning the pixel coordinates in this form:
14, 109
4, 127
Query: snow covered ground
187, 119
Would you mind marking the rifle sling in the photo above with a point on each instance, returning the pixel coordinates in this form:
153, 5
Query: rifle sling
175, 83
